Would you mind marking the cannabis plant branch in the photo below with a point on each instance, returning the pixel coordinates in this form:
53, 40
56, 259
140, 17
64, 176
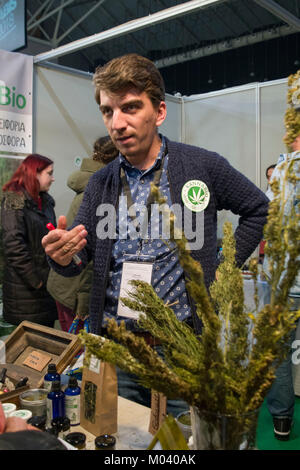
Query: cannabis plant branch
230, 367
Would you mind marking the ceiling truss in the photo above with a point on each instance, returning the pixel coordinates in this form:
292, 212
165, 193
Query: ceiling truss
60, 32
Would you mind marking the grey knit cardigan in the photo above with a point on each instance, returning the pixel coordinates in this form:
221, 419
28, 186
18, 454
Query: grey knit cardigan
229, 190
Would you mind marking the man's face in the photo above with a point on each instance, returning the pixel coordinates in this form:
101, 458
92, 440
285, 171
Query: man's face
296, 144
132, 121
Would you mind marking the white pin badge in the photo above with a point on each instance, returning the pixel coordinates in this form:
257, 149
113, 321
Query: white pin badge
195, 195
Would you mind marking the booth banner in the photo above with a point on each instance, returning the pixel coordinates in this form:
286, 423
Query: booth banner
16, 75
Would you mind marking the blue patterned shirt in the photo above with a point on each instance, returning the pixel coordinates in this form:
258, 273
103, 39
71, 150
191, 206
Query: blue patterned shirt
167, 274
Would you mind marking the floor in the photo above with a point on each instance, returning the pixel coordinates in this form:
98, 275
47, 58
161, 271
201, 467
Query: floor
265, 439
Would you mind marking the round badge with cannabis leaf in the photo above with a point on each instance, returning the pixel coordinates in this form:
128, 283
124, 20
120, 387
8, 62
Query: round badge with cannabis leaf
195, 195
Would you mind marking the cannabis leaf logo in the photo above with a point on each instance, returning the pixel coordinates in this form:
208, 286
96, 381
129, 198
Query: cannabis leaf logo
196, 195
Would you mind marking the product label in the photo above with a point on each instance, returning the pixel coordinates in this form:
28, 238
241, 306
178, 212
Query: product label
37, 360
72, 406
49, 411
95, 364
47, 385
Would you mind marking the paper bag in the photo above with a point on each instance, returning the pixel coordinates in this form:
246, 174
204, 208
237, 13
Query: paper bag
158, 411
99, 398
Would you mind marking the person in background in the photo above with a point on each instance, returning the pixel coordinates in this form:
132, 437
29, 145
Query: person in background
131, 96
72, 294
269, 172
26, 208
281, 397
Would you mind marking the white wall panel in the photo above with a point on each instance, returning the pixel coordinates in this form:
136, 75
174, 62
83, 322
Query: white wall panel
273, 107
66, 116
225, 123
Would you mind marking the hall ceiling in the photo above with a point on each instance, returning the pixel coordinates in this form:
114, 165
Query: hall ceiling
216, 26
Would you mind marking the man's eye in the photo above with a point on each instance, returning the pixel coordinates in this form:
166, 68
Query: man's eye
105, 111
130, 107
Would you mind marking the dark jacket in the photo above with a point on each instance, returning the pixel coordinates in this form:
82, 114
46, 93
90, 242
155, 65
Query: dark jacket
74, 293
228, 188
25, 263
30, 440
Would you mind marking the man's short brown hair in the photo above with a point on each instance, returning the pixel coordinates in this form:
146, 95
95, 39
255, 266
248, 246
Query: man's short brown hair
130, 71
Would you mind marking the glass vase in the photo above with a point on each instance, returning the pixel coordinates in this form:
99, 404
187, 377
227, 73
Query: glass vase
213, 431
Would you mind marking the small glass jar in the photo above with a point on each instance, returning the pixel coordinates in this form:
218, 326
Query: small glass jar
38, 422
8, 408
52, 430
62, 423
76, 439
105, 442
24, 414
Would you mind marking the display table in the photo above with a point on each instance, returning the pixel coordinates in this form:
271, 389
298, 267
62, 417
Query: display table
133, 423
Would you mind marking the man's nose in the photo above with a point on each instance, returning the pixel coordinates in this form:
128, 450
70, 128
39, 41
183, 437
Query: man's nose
118, 121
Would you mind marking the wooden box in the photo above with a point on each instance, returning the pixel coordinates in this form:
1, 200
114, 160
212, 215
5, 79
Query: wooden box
30, 340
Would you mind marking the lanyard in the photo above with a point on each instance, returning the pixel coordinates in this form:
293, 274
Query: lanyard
150, 199
74, 325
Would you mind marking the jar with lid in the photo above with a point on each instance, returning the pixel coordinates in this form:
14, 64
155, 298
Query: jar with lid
24, 414
62, 423
38, 422
105, 442
76, 439
52, 430
8, 408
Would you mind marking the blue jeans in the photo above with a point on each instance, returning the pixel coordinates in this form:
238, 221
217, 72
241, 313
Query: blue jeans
128, 387
281, 396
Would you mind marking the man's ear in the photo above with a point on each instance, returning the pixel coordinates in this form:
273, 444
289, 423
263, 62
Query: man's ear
161, 113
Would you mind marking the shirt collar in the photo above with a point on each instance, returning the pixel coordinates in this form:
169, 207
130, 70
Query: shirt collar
125, 163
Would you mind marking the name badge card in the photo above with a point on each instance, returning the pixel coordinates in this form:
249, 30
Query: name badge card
132, 271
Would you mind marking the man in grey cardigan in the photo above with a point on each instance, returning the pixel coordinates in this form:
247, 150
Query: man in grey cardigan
195, 182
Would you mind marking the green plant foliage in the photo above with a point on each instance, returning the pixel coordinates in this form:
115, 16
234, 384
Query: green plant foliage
229, 369
292, 114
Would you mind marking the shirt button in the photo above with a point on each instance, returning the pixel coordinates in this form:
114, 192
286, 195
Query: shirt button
142, 181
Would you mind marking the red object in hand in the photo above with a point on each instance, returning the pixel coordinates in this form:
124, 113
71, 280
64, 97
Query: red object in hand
75, 258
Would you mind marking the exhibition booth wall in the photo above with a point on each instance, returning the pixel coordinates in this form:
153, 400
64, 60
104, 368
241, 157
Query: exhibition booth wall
244, 124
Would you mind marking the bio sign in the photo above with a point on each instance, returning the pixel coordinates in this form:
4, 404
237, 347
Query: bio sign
15, 103
10, 97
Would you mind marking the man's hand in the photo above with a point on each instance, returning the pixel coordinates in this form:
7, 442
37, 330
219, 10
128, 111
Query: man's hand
61, 244
14, 424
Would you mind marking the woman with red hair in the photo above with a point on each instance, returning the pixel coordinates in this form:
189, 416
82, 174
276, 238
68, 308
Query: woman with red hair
26, 208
